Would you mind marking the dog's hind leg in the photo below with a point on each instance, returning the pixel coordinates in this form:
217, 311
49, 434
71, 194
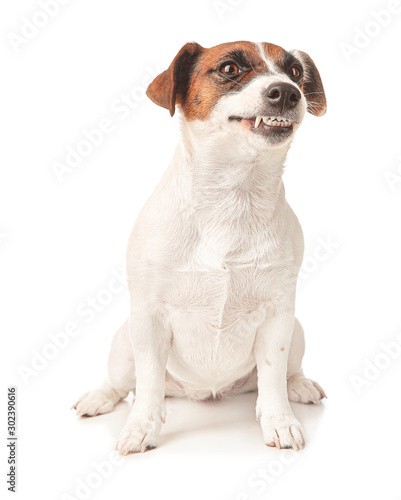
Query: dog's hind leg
119, 382
300, 389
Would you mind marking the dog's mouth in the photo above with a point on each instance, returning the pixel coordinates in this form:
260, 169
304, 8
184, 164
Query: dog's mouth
268, 126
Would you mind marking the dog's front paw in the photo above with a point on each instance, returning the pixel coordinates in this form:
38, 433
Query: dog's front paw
139, 434
282, 432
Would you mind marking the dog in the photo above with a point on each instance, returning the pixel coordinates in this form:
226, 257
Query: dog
213, 259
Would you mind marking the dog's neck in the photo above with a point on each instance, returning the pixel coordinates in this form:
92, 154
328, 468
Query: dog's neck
230, 179
233, 194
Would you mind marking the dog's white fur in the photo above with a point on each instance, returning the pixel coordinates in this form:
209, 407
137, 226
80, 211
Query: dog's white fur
212, 268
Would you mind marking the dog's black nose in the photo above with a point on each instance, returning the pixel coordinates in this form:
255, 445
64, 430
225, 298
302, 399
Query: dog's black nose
283, 95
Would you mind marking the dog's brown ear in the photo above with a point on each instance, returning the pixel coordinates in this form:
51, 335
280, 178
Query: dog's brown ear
169, 88
312, 85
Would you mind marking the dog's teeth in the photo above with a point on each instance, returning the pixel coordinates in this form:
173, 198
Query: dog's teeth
257, 121
273, 121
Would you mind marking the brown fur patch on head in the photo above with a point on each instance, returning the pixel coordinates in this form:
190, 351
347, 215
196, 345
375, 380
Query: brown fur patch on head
208, 85
194, 81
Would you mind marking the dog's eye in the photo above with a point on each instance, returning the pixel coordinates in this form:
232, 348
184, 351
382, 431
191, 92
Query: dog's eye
295, 71
229, 69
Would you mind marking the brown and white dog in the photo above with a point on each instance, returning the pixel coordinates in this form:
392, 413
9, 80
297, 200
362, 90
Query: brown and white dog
214, 256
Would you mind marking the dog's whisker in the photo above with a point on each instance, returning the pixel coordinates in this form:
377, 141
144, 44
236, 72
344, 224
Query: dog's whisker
253, 69
231, 80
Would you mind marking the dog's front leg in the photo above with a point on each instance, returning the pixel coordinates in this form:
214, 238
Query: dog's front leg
150, 344
279, 425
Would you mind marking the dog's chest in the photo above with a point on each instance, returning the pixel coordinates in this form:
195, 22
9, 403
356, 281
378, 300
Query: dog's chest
216, 311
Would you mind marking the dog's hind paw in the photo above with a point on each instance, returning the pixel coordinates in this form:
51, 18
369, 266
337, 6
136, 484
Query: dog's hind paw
304, 390
95, 402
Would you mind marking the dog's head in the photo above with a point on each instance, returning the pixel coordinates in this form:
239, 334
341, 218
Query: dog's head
257, 90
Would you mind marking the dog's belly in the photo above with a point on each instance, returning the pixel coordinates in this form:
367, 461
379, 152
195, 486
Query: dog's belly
214, 317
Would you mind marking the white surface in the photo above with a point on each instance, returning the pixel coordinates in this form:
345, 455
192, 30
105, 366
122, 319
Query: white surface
60, 243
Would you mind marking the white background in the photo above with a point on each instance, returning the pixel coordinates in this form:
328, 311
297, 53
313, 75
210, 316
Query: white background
60, 243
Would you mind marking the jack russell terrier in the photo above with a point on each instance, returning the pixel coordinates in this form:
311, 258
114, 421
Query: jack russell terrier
213, 258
